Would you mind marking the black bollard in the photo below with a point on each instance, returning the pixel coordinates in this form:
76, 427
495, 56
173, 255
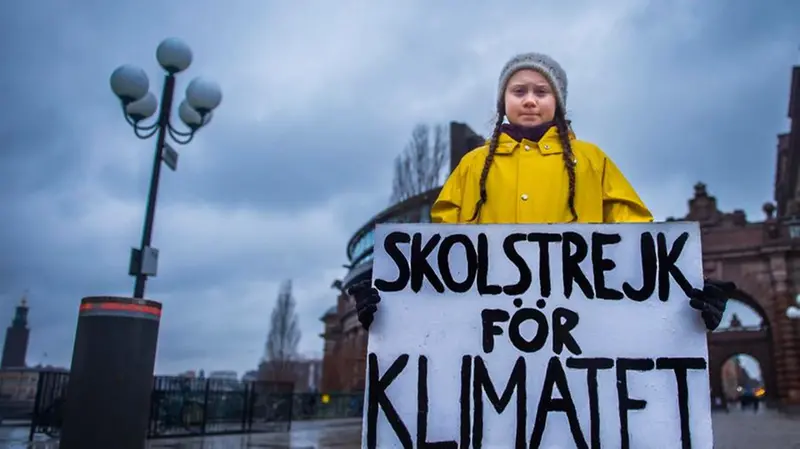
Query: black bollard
111, 377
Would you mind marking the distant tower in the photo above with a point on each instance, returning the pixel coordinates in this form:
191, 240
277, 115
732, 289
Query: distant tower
15, 348
735, 322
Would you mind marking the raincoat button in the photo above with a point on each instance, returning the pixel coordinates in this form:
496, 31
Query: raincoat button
527, 148
547, 147
524, 197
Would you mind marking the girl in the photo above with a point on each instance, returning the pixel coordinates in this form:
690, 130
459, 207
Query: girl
534, 170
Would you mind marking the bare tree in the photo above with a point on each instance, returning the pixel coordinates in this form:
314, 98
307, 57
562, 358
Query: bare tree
419, 167
284, 336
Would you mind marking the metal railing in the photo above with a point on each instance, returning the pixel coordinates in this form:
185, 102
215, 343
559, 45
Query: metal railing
51, 392
182, 406
312, 406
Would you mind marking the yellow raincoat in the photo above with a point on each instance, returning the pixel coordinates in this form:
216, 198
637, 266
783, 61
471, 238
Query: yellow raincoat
528, 183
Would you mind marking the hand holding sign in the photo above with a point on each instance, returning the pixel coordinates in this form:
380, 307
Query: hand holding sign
711, 301
367, 299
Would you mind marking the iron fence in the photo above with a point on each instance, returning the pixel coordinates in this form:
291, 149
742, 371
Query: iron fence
51, 392
181, 406
270, 406
307, 406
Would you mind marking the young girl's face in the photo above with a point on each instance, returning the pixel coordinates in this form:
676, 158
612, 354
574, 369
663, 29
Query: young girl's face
529, 99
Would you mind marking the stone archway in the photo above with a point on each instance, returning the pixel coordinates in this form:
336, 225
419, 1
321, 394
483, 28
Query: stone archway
739, 372
738, 339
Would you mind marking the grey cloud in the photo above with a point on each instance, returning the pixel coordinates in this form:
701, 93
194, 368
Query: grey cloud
290, 165
317, 103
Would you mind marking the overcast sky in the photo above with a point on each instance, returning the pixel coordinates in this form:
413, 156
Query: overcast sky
319, 97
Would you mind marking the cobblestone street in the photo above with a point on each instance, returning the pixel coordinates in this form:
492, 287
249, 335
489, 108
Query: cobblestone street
734, 430
746, 430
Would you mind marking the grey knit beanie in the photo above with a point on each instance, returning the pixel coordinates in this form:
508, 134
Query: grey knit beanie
543, 64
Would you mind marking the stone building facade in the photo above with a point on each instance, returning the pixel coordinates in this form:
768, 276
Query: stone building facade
763, 258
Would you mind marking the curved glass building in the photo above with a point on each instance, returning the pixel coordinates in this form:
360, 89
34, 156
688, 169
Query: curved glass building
343, 363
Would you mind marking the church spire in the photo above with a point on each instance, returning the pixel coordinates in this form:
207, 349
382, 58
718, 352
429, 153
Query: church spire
15, 347
21, 315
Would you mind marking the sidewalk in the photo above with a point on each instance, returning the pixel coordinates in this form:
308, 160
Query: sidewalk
735, 430
317, 434
322, 434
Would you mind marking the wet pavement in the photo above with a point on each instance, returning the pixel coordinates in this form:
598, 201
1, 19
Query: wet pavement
328, 434
345, 434
763, 430
734, 430
338, 434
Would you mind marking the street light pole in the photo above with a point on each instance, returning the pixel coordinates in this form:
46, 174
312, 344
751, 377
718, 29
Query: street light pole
131, 85
163, 123
111, 376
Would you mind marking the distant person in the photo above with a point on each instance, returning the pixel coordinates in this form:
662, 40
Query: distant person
747, 399
566, 180
720, 403
310, 405
356, 406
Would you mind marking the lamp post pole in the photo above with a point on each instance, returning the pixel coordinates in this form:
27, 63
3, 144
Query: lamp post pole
111, 377
147, 233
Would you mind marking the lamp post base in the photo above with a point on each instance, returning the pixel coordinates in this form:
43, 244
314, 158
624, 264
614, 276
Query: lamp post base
111, 376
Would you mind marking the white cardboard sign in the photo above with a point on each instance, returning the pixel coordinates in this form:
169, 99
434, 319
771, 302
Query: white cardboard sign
540, 336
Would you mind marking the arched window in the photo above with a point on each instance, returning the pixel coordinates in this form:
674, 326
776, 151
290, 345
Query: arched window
740, 316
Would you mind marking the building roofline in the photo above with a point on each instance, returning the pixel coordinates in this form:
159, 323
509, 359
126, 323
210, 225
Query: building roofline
330, 312
462, 140
389, 212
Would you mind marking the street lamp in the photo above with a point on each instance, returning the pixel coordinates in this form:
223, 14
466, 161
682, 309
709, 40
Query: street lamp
111, 375
131, 86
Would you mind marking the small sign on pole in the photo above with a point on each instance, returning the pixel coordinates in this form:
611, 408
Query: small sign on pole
149, 261
537, 336
170, 157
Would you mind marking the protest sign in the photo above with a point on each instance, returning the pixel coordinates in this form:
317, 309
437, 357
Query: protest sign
551, 336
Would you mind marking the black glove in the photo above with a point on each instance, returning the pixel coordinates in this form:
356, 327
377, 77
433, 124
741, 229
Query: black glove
367, 299
711, 301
